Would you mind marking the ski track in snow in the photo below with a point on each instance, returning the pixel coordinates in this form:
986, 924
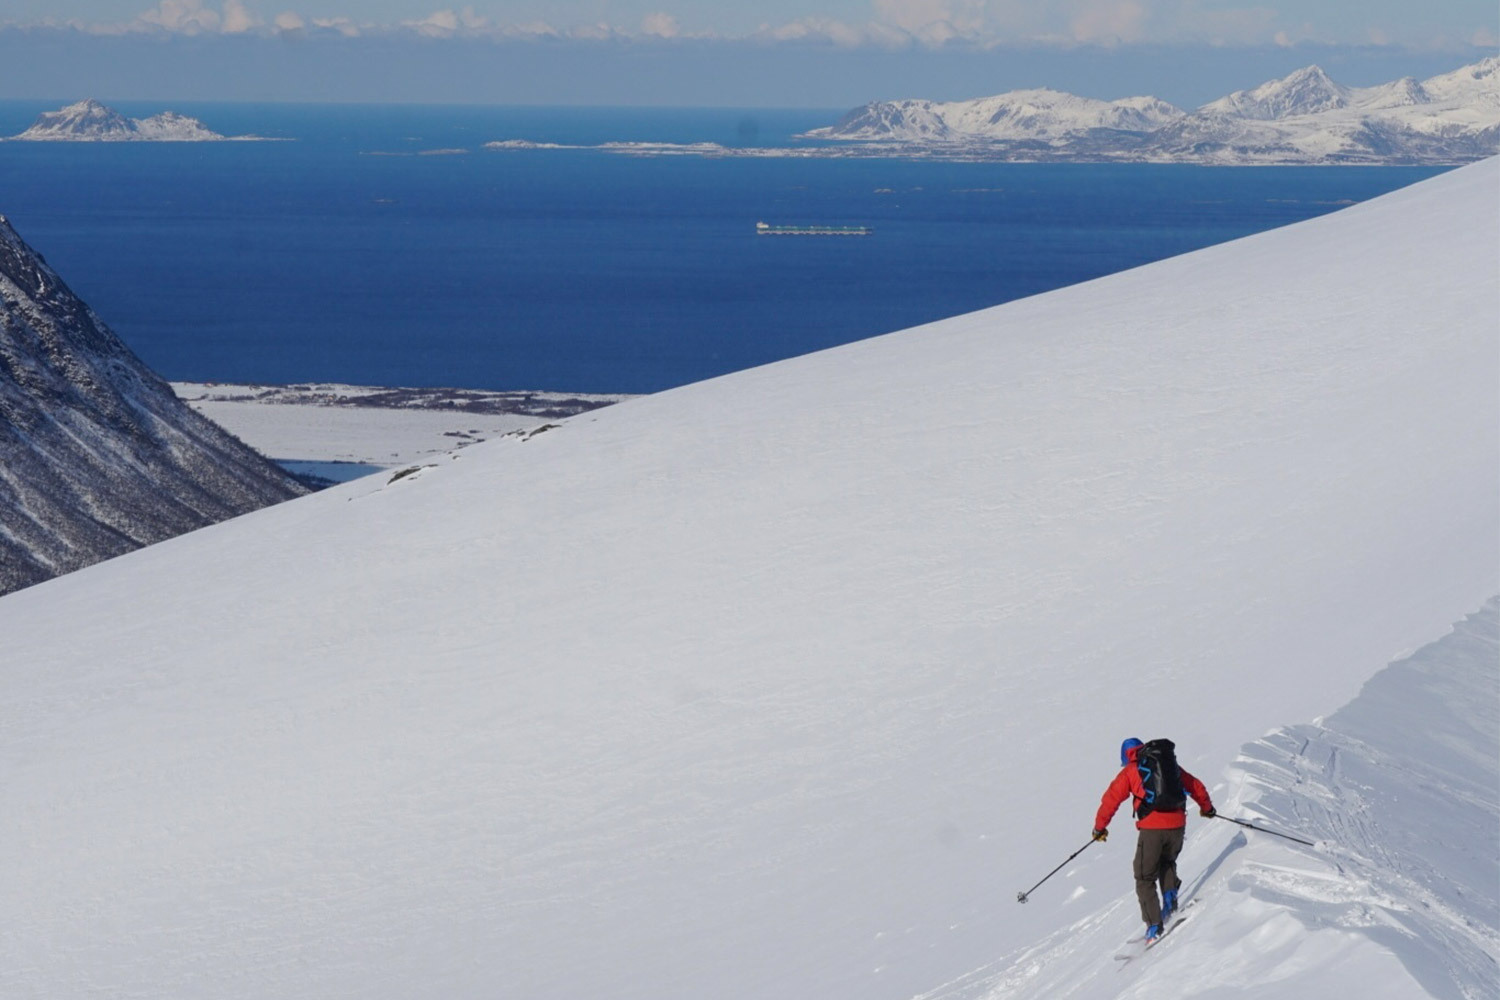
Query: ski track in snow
1400, 790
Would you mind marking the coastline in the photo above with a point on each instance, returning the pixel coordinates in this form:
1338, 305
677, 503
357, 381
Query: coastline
371, 428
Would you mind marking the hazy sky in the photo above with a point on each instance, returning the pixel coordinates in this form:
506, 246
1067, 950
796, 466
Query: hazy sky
850, 22
820, 53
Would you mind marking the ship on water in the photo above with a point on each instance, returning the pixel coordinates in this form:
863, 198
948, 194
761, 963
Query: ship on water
766, 229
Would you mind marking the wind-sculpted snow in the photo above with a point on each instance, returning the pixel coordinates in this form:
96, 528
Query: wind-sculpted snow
1400, 793
97, 455
783, 684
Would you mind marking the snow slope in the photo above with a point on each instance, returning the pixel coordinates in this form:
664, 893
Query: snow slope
1400, 792
779, 685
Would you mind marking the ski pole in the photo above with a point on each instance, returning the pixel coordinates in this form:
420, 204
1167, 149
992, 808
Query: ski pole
1021, 896
1261, 829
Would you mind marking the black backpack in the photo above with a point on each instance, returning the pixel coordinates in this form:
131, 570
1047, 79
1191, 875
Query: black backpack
1160, 777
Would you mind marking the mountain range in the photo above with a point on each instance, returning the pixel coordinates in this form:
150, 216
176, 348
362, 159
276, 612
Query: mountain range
90, 121
98, 456
1305, 117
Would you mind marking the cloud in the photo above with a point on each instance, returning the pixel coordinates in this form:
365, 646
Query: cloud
962, 18
815, 30
1233, 25
185, 17
448, 23
341, 25
238, 18
1109, 22
891, 25
660, 25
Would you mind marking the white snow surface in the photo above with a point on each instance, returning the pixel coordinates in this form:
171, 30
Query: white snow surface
1398, 897
382, 437
314, 423
783, 684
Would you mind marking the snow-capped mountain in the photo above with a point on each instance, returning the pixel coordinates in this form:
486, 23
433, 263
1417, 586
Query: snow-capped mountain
1023, 115
97, 454
1306, 117
784, 684
1303, 118
90, 121
1305, 92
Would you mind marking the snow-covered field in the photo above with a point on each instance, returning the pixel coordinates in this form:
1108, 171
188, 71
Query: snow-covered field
373, 426
783, 684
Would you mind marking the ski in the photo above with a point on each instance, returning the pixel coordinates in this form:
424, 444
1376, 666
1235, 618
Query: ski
1137, 946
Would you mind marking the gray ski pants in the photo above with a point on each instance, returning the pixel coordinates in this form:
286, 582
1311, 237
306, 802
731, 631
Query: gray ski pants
1156, 863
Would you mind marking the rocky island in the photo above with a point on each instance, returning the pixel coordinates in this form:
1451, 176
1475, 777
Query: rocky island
90, 121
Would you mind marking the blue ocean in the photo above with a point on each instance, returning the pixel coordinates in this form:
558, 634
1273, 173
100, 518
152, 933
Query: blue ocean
384, 245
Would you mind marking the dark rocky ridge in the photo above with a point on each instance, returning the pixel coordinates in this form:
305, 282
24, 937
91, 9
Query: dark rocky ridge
97, 454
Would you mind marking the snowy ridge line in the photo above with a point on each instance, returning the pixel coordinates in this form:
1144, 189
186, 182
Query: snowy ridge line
1406, 807
1303, 118
1401, 789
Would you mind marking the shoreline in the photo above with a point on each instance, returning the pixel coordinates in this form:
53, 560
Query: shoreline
367, 429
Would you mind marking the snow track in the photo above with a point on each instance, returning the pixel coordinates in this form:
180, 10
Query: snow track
1403, 787
1401, 791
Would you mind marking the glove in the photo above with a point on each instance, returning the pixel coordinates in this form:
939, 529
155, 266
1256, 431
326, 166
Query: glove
1101, 834
1208, 813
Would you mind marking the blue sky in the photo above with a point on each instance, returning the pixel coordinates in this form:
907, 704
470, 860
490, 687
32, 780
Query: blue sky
822, 53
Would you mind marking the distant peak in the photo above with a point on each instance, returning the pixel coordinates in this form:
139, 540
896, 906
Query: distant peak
1306, 78
1304, 91
1312, 72
11, 238
89, 104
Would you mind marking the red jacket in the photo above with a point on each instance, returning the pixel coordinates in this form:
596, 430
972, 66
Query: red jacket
1127, 784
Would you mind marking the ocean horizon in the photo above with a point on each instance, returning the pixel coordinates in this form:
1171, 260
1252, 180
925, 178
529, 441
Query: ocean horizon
385, 245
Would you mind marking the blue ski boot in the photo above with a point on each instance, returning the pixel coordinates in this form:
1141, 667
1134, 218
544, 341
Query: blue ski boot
1168, 905
1153, 931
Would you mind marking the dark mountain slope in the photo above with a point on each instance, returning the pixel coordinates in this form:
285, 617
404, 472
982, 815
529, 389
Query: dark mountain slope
97, 456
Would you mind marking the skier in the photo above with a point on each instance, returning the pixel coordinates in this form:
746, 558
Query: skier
1159, 790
